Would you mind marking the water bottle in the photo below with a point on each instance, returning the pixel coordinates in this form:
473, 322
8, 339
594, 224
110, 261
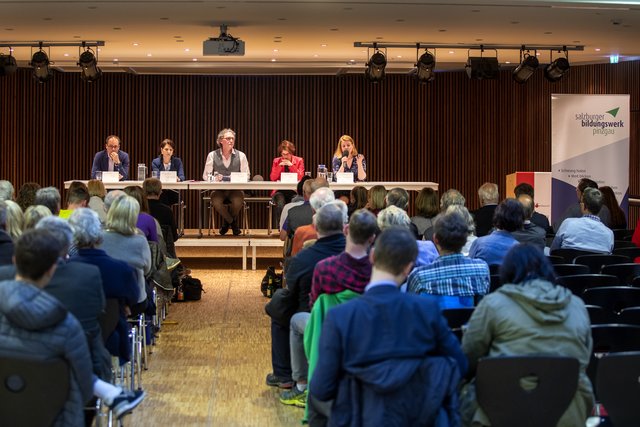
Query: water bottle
322, 171
142, 171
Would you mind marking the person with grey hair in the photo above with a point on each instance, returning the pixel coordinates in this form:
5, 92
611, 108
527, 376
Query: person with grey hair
6, 242
118, 278
530, 232
393, 216
329, 221
79, 288
49, 197
453, 278
471, 226
222, 162
397, 197
451, 197
111, 197
587, 233
307, 233
6, 190
489, 198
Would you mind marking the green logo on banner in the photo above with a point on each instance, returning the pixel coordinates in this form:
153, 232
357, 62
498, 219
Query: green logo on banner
614, 112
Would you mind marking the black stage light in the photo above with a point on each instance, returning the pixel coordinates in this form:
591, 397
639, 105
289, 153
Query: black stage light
482, 68
40, 64
375, 67
558, 68
89, 65
424, 68
7, 64
526, 68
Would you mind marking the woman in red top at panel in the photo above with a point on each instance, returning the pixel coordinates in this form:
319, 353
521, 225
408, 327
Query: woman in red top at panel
286, 162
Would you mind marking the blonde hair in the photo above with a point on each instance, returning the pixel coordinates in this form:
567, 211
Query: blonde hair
33, 214
393, 216
376, 197
338, 152
15, 220
123, 216
96, 188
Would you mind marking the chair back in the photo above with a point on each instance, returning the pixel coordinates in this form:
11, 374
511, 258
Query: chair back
630, 316
526, 391
494, 269
457, 318
618, 387
620, 244
596, 262
554, 259
109, 319
570, 254
614, 338
613, 298
570, 269
625, 272
32, 392
600, 316
495, 282
632, 251
622, 234
577, 283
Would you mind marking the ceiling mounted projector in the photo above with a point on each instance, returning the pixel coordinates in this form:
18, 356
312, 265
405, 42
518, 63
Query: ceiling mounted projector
223, 45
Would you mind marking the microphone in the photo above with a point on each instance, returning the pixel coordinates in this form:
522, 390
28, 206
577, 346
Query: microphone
345, 153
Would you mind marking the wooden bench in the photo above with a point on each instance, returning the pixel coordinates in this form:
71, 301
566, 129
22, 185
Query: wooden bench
219, 242
254, 243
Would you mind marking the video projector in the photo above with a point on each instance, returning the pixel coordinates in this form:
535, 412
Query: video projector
223, 45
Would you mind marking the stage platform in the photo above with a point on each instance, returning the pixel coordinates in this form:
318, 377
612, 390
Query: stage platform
257, 243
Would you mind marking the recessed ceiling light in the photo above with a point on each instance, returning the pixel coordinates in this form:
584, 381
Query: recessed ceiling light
479, 40
323, 45
195, 59
597, 49
115, 59
135, 44
66, 54
315, 56
399, 56
333, 29
451, 51
507, 62
179, 41
273, 59
117, 28
187, 49
99, 50
275, 50
8, 29
277, 41
537, 53
177, 37
148, 54
442, 31
277, 37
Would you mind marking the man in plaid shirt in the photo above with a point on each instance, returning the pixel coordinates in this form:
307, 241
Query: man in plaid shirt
452, 277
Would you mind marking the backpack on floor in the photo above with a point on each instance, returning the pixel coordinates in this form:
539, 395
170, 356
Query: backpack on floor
270, 282
190, 289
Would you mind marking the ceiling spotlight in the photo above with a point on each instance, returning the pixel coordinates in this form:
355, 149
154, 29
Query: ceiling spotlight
424, 68
375, 67
482, 68
7, 64
40, 64
89, 66
528, 65
558, 68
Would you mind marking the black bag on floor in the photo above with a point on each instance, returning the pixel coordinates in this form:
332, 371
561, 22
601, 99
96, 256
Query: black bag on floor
191, 288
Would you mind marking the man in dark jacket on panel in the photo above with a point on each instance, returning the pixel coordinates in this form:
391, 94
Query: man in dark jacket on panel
389, 358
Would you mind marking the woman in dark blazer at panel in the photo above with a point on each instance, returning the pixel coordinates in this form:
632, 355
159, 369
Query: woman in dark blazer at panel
166, 161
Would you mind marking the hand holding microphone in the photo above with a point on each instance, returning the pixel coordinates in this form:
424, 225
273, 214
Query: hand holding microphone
345, 157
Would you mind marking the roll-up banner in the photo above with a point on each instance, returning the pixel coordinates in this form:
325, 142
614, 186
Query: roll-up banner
590, 139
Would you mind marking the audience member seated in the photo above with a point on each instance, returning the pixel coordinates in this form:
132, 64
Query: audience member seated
295, 201
33, 324
122, 240
49, 197
350, 270
451, 197
489, 197
15, 220
6, 190
529, 315
399, 197
162, 213
530, 232
301, 215
471, 226
575, 210
537, 218
118, 278
305, 233
146, 223
587, 233
393, 216
376, 199
507, 218
97, 193
33, 214
357, 199
6, 243
77, 197
426, 209
386, 351
329, 222
618, 218
27, 195
78, 288
453, 278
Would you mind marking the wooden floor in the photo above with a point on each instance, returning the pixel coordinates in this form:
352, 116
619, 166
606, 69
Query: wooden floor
209, 365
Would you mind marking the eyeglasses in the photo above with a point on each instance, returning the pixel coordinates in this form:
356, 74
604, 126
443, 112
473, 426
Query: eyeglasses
228, 139
113, 146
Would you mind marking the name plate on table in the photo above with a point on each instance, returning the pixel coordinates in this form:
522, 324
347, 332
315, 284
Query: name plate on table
239, 177
289, 177
168, 176
344, 177
110, 176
